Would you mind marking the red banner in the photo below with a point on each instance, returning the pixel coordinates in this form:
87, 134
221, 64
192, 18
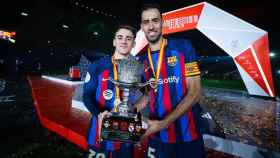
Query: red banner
182, 19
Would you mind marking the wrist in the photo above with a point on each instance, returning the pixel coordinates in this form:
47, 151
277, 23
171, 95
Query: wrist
137, 107
164, 123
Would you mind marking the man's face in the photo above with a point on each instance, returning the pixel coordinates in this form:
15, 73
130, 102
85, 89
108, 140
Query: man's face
123, 41
151, 24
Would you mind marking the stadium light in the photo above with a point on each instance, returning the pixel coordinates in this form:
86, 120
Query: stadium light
95, 33
272, 54
65, 26
24, 14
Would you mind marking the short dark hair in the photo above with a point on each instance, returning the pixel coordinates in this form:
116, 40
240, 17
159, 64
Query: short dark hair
128, 27
148, 6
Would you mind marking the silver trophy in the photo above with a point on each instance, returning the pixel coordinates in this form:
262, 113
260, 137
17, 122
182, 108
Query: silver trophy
122, 124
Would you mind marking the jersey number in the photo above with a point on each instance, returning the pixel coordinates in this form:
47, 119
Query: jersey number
92, 153
151, 152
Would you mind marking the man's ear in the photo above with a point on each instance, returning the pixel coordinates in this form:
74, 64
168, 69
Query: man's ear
114, 42
134, 43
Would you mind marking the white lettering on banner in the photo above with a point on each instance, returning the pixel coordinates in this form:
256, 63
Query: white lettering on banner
170, 79
180, 21
9, 98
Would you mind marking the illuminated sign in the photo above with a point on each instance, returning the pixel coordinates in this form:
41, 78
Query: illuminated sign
10, 36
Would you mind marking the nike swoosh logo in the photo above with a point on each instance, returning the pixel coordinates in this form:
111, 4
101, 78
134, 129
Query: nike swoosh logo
104, 79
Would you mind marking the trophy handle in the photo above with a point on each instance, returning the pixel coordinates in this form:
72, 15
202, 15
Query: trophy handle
151, 82
112, 80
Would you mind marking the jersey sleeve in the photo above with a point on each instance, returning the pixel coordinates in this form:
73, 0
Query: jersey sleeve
89, 90
191, 64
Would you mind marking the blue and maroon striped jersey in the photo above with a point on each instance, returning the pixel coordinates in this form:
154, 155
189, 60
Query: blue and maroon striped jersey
179, 62
99, 95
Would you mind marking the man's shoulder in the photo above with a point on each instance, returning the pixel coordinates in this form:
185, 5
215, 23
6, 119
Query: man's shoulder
141, 56
182, 45
181, 42
101, 63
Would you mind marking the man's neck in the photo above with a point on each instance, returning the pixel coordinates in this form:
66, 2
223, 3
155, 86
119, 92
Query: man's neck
120, 56
156, 46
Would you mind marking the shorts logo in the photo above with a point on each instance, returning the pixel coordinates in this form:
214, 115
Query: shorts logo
172, 60
108, 94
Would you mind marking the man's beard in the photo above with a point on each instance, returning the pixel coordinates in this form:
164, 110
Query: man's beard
153, 41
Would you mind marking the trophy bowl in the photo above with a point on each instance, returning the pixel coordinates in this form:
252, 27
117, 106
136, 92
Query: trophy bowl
129, 71
124, 125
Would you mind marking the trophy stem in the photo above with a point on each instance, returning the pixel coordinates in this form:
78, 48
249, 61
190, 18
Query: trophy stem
123, 106
122, 124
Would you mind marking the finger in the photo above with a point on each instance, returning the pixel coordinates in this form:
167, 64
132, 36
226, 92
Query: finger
100, 115
147, 133
143, 137
103, 114
99, 130
150, 122
138, 144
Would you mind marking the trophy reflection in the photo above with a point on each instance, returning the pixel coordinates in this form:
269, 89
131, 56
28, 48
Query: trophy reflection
122, 124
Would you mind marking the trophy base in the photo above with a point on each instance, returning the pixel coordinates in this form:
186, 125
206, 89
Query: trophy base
123, 127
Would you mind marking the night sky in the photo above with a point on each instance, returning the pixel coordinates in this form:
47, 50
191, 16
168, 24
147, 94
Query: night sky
44, 25
63, 29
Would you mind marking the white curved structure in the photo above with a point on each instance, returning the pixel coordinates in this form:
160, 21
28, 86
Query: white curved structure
245, 43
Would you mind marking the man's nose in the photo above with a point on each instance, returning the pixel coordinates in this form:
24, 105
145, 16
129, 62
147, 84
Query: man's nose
150, 25
124, 41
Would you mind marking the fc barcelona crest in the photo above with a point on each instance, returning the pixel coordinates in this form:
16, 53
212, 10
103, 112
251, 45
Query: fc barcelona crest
172, 60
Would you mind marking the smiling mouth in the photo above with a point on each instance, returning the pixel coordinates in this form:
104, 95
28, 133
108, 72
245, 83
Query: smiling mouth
154, 33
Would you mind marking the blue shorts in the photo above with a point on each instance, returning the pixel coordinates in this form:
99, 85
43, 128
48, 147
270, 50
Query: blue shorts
124, 152
193, 149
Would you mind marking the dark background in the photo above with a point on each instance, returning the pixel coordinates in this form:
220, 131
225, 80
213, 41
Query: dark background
56, 32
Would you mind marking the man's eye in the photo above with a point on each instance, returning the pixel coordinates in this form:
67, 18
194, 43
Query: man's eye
145, 22
156, 20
